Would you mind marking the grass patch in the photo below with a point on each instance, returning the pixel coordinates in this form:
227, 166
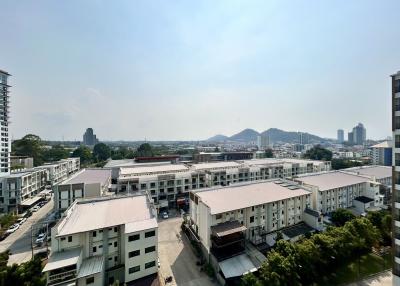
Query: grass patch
369, 264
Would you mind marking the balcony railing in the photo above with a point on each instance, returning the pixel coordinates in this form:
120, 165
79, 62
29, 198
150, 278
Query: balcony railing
61, 277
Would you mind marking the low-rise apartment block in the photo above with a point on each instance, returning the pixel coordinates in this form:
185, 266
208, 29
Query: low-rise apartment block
169, 185
18, 190
230, 221
61, 170
21, 162
101, 241
339, 189
87, 183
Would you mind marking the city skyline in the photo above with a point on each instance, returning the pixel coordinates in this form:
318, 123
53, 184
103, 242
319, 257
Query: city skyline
177, 71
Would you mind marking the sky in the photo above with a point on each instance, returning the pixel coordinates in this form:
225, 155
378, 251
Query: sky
187, 70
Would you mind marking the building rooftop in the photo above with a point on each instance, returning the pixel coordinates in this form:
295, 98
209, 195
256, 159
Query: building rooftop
384, 144
89, 176
248, 195
63, 259
379, 172
91, 265
216, 165
364, 199
159, 169
331, 180
132, 163
108, 212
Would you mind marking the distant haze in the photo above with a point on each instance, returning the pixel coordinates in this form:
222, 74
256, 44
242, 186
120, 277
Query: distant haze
188, 70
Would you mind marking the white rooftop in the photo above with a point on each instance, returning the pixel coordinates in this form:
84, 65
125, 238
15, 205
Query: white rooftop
89, 176
132, 163
331, 180
379, 172
95, 214
237, 266
384, 144
225, 164
234, 197
159, 169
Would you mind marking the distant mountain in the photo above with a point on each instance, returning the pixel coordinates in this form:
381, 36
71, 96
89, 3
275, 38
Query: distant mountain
276, 135
218, 138
246, 135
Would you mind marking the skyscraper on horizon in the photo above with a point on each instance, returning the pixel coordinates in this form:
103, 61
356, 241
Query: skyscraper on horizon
4, 111
340, 136
358, 135
89, 138
262, 142
303, 138
396, 176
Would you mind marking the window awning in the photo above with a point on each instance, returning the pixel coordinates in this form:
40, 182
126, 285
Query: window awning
227, 228
31, 201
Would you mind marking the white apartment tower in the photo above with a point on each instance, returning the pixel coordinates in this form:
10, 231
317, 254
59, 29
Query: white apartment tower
396, 175
4, 137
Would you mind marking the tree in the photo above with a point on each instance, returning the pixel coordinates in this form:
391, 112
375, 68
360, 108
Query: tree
341, 216
144, 150
318, 153
101, 152
30, 145
338, 164
55, 153
84, 153
268, 153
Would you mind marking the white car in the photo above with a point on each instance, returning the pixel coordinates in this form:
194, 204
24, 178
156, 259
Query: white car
35, 208
165, 215
12, 228
41, 238
21, 220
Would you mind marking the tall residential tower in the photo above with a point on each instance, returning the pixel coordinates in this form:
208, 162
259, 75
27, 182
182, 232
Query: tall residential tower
4, 135
340, 136
396, 176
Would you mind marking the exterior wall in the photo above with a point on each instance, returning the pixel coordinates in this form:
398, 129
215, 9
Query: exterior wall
142, 258
62, 169
98, 280
5, 149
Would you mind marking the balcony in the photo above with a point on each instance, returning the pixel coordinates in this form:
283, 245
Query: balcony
62, 277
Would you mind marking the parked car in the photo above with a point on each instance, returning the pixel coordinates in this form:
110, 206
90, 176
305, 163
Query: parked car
35, 208
164, 215
41, 238
42, 203
12, 228
21, 220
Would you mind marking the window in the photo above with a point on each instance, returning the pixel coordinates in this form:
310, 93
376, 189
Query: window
115, 229
115, 258
134, 237
94, 248
150, 234
218, 216
69, 238
115, 243
62, 238
134, 269
252, 209
149, 249
150, 264
94, 233
89, 280
134, 253
251, 219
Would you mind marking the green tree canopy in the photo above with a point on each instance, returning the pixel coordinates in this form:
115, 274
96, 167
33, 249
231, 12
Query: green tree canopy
55, 153
338, 164
341, 216
84, 153
30, 145
144, 150
268, 153
101, 152
318, 153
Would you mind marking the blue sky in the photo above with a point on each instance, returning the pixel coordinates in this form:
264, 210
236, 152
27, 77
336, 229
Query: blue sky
192, 69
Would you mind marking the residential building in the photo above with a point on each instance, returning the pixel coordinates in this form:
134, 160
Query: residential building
89, 138
303, 138
339, 189
169, 185
87, 183
21, 162
350, 138
19, 190
396, 175
340, 136
262, 141
253, 213
5, 149
101, 241
61, 170
382, 153
358, 135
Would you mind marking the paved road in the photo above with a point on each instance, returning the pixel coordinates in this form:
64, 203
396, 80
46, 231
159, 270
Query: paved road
19, 242
383, 279
176, 256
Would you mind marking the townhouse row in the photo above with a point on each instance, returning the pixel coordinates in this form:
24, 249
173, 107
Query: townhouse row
169, 184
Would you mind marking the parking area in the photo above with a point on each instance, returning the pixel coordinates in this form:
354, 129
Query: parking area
176, 256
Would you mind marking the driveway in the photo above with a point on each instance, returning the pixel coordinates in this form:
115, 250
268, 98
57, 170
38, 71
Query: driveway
176, 256
19, 242
382, 279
